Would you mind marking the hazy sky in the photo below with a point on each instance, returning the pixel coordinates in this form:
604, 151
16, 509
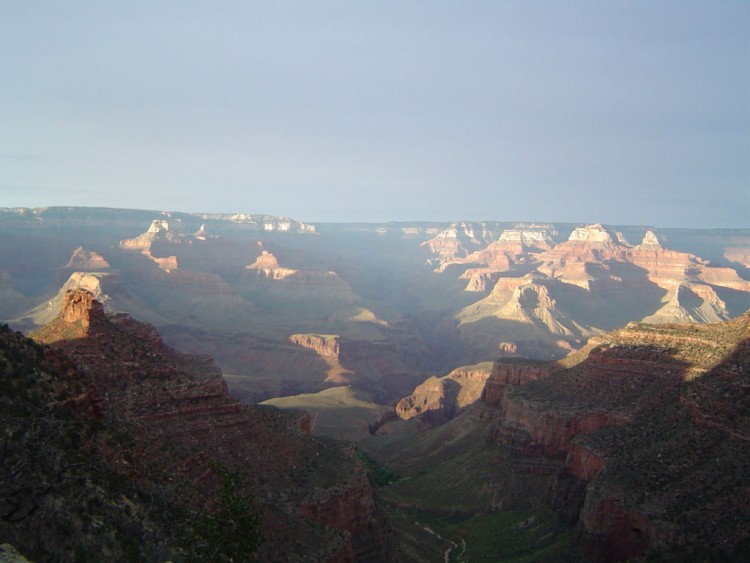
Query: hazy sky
632, 112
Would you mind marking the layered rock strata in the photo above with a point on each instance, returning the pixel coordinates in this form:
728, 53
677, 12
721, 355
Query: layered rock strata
183, 420
439, 399
636, 419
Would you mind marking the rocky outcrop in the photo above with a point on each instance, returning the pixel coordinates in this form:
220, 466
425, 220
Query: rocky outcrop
691, 303
80, 308
264, 223
593, 281
739, 254
523, 314
292, 284
513, 248
86, 260
510, 373
536, 428
183, 421
582, 463
568, 261
459, 239
158, 231
669, 268
612, 532
327, 347
480, 279
352, 510
439, 399
638, 443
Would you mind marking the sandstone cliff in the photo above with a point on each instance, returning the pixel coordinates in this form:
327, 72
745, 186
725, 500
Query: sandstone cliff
327, 347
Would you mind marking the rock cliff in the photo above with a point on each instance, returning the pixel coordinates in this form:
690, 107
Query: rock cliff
639, 416
86, 260
439, 399
183, 421
159, 231
328, 348
291, 284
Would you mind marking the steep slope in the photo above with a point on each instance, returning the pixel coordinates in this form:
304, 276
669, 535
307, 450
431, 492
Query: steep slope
61, 494
107, 287
438, 399
640, 442
591, 282
675, 480
314, 500
459, 238
521, 316
277, 284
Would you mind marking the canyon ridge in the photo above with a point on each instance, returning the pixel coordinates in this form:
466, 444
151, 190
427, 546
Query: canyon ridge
567, 365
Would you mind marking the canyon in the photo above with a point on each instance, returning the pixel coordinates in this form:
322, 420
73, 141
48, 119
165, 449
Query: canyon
313, 500
634, 443
523, 377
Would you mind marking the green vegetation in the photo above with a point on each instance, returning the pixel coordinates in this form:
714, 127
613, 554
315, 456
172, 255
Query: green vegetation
381, 476
512, 536
459, 494
57, 473
232, 533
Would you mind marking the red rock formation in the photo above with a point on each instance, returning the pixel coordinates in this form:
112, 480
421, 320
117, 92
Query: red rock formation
328, 348
266, 261
295, 284
324, 345
480, 279
439, 399
613, 533
668, 268
350, 510
568, 261
158, 231
182, 420
510, 373
583, 463
633, 381
86, 260
80, 308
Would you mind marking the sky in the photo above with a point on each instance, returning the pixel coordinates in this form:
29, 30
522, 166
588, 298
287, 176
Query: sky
620, 112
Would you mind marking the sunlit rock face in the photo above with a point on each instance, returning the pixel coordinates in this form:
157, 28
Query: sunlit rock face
438, 399
80, 308
158, 231
86, 260
294, 284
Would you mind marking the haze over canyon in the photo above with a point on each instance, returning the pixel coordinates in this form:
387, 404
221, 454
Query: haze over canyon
492, 389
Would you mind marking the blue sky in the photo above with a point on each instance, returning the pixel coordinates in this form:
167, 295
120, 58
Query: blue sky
632, 112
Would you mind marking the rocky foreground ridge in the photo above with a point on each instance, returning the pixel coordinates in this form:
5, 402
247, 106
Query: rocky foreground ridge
652, 425
313, 500
636, 446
